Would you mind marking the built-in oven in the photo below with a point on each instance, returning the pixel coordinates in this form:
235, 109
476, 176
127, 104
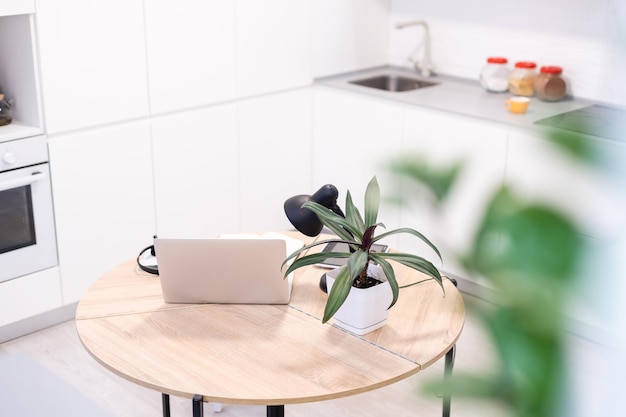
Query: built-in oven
27, 232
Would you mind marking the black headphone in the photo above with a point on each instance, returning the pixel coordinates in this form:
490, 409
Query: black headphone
151, 269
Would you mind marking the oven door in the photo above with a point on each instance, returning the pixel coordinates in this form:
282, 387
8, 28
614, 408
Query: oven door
27, 234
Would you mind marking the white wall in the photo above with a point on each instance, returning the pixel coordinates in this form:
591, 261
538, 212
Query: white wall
582, 36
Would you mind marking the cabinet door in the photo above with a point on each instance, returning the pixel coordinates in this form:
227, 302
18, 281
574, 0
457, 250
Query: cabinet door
92, 62
103, 201
444, 140
273, 45
349, 35
191, 53
590, 196
354, 138
13, 7
275, 156
29, 295
196, 172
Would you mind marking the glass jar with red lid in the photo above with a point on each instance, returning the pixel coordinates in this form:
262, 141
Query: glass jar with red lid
549, 84
522, 79
494, 75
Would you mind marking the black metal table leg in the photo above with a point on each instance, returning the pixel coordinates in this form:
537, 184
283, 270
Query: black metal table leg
275, 411
165, 401
447, 374
198, 410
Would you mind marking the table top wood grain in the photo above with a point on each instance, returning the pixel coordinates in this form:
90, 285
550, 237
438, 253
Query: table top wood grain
261, 354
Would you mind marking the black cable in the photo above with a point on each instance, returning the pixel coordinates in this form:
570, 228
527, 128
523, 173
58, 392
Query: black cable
154, 270
424, 280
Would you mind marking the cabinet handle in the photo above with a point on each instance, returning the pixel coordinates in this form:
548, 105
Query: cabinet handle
21, 181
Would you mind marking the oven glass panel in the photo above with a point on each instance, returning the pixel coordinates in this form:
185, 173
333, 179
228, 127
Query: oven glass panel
17, 225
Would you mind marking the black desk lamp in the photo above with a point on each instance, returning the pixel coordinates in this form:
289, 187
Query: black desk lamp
307, 222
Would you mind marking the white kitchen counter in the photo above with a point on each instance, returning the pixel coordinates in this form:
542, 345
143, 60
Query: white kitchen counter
455, 95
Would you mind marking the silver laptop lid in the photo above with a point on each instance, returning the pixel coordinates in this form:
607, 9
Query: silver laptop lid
230, 271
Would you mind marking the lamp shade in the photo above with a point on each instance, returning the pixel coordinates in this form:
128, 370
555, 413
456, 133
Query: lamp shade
304, 220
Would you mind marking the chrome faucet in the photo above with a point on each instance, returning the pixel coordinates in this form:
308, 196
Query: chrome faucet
425, 66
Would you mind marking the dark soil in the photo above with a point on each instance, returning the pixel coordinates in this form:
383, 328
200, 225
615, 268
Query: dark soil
365, 283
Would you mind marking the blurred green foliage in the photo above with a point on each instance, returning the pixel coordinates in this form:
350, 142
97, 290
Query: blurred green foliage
438, 181
533, 268
530, 253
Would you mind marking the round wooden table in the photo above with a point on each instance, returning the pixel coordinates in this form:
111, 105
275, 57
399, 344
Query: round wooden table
268, 355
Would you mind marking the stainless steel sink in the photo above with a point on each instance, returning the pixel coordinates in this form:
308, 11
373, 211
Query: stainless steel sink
396, 83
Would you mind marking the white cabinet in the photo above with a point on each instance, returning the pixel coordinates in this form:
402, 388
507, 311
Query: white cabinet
103, 200
32, 294
354, 137
108, 62
593, 197
273, 45
196, 172
191, 53
220, 51
444, 140
15, 7
93, 62
19, 79
275, 156
229, 168
357, 137
542, 171
29, 295
349, 35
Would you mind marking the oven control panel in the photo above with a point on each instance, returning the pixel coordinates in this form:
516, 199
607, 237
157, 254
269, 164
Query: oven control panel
23, 152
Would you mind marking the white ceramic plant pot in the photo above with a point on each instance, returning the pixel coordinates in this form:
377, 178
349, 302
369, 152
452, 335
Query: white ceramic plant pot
365, 309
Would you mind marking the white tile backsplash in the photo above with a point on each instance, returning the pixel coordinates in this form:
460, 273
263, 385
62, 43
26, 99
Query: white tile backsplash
581, 36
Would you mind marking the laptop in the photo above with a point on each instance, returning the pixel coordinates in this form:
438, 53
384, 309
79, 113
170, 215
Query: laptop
224, 270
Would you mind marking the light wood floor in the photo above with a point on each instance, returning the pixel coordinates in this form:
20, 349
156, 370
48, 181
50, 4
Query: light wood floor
59, 349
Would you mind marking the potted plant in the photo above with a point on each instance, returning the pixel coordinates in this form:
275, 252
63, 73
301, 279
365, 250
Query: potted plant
365, 270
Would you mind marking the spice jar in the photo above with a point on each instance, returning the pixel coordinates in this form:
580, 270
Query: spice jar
522, 79
494, 75
5, 111
549, 85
